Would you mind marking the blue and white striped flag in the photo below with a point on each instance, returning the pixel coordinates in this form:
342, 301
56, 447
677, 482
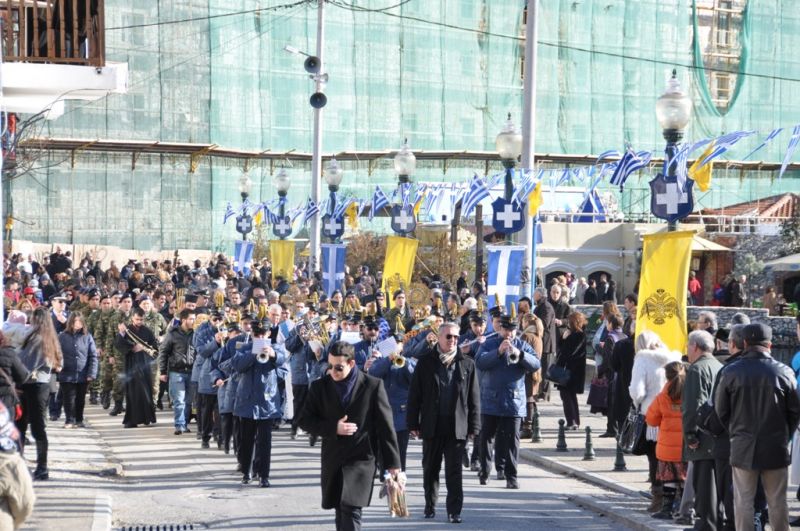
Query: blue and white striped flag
723, 144
333, 261
312, 209
477, 193
680, 159
629, 163
607, 154
229, 213
505, 270
243, 256
773, 134
793, 141
379, 201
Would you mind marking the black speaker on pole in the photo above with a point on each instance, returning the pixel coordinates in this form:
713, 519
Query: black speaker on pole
311, 64
318, 100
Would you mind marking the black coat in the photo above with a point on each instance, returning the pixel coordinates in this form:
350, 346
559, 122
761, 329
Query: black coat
756, 400
348, 462
14, 368
572, 356
590, 296
621, 362
544, 311
423, 396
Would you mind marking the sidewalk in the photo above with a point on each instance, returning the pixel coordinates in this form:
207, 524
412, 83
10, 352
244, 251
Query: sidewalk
625, 503
76, 497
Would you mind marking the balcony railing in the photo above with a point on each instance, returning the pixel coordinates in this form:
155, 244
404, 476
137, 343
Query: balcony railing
53, 31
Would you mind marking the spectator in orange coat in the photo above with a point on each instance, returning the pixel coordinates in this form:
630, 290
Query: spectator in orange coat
695, 290
665, 414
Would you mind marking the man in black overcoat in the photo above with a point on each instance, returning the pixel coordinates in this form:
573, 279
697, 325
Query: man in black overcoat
444, 409
347, 408
544, 311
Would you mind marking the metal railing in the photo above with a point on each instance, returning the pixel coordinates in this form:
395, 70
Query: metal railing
54, 31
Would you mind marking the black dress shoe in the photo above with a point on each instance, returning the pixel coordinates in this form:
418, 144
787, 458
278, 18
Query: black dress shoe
607, 435
512, 484
129, 425
795, 522
430, 512
454, 518
41, 474
501, 476
245, 479
483, 479
205, 445
178, 431
264, 483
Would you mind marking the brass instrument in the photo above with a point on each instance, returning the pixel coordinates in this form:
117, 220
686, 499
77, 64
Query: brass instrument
180, 299
137, 340
219, 299
399, 361
199, 320
251, 307
513, 311
398, 325
262, 357
513, 357
262, 311
497, 300
480, 304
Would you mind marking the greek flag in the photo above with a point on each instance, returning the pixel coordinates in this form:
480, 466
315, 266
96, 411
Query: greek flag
679, 161
607, 154
526, 185
379, 201
333, 259
312, 209
229, 213
793, 141
505, 270
629, 163
243, 256
723, 144
477, 193
772, 135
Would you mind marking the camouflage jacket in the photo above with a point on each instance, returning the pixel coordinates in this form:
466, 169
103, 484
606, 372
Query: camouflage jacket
111, 329
156, 323
98, 326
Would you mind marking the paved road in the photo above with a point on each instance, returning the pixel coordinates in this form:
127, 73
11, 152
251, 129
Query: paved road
169, 480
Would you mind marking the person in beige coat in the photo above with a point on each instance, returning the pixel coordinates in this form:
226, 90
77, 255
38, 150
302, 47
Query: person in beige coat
16, 486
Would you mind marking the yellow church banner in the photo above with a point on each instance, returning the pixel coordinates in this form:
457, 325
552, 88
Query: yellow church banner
399, 264
281, 254
663, 285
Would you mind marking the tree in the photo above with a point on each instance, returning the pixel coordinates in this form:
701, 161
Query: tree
790, 233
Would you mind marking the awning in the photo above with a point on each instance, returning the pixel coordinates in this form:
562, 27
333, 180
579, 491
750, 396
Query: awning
703, 245
784, 263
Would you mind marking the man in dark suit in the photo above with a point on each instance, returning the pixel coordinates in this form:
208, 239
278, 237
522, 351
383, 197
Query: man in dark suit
348, 408
544, 311
444, 409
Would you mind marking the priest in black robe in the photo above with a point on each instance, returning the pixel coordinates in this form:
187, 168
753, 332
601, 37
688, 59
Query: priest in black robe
139, 346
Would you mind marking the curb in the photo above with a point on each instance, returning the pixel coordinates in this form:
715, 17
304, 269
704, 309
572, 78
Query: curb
622, 515
552, 465
113, 466
101, 516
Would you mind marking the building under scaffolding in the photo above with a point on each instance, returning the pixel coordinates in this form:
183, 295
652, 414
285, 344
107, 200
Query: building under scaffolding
441, 73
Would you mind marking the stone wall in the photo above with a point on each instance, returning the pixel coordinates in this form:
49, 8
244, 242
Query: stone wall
784, 336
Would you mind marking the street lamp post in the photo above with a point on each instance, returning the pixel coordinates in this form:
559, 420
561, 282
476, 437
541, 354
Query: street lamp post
333, 176
245, 186
509, 146
282, 184
673, 111
404, 163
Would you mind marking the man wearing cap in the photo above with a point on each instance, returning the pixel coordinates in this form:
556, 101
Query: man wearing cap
114, 359
98, 328
757, 401
206, 340
59, 312
400, 309
158, 325
503, 361
301, 356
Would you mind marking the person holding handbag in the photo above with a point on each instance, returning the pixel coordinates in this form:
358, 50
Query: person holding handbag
80, 368
572, 358
41, 355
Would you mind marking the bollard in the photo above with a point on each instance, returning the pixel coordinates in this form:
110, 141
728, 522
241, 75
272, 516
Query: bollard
561, 445
588, 455
619, 462
537, 432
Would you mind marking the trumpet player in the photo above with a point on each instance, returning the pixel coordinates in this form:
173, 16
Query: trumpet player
258, 401
396, 372
300, 360
503, 361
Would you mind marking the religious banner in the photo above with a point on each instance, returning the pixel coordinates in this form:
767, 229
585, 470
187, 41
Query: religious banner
662, 287
505, 272
281, 254
333, 260
399, 264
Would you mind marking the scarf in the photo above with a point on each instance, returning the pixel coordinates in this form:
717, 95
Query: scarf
446, 357
345, 387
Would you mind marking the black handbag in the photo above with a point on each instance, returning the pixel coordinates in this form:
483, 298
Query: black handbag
631, 437
558, 374
598, 393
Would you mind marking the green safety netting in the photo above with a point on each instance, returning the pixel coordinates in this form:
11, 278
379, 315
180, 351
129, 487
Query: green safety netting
442, 73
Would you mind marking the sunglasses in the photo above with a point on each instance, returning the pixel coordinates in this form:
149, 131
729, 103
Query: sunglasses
338, 368
451, 336
372, 328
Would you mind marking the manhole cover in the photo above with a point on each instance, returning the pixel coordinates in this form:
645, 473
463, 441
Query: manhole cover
159, 527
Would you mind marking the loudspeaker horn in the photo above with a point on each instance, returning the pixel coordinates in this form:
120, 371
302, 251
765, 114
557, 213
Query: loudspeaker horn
318, 100
311, 64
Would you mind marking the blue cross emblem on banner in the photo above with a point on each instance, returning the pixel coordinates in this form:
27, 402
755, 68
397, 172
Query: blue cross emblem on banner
282, 227
332, 226
668, 201
507, 216
403, 220
244, 224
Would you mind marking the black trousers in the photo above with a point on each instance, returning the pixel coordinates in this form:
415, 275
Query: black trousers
724, 480
402, 443
208, 418
505, 431
299, 393
74, 396
348, 518
226, 431
256, 435
34, 408
544, 385
705, 495
443, 444
282, 391
570, 401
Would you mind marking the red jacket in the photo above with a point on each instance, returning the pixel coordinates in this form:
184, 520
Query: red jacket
666, 415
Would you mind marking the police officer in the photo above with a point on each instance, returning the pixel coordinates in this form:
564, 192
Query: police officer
503, 361
207, 339
367, 347
469, 344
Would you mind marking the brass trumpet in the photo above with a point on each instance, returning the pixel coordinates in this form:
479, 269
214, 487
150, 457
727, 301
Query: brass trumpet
399, 362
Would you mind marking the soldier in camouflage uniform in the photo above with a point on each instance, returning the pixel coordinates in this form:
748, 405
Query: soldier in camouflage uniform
82, 301
91, 313
114, 361
158, 325
98, 327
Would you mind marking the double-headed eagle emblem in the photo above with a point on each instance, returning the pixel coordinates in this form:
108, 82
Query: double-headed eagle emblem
661, 306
